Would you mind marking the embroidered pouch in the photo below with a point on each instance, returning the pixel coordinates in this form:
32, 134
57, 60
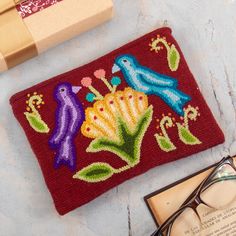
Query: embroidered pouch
115, 118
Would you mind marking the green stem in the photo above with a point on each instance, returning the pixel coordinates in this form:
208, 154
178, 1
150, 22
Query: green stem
122, 169
114, 88
93, 90
107, 84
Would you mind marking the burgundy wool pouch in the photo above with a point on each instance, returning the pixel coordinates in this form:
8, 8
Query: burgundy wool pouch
115, 118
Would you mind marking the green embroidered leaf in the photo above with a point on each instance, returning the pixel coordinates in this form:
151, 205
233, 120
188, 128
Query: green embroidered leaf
173, 58
165, 144
128, 149
95, 172
37, 123
186, 136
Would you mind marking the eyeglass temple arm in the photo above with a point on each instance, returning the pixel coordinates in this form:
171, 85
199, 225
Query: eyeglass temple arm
225, 178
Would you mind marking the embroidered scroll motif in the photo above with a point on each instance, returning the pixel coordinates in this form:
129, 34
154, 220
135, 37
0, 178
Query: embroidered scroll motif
32, 115
173, 56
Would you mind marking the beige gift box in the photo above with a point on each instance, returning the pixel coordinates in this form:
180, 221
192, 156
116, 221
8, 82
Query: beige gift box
48, 27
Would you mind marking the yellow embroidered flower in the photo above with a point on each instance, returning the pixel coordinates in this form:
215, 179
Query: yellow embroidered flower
101, 119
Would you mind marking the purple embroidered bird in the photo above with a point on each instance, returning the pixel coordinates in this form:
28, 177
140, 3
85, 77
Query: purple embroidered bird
69, 118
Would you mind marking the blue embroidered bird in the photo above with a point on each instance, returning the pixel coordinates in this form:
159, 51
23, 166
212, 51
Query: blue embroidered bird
150, 82
69, 118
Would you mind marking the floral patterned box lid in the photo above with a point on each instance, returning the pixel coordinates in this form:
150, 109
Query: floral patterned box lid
29, 7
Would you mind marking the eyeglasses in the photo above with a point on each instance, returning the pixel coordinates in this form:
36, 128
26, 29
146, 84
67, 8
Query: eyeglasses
217, 192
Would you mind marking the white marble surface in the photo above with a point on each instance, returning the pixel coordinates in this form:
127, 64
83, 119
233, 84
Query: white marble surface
206, 31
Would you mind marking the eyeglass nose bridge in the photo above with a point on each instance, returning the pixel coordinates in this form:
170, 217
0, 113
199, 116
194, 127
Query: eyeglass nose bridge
194, 204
